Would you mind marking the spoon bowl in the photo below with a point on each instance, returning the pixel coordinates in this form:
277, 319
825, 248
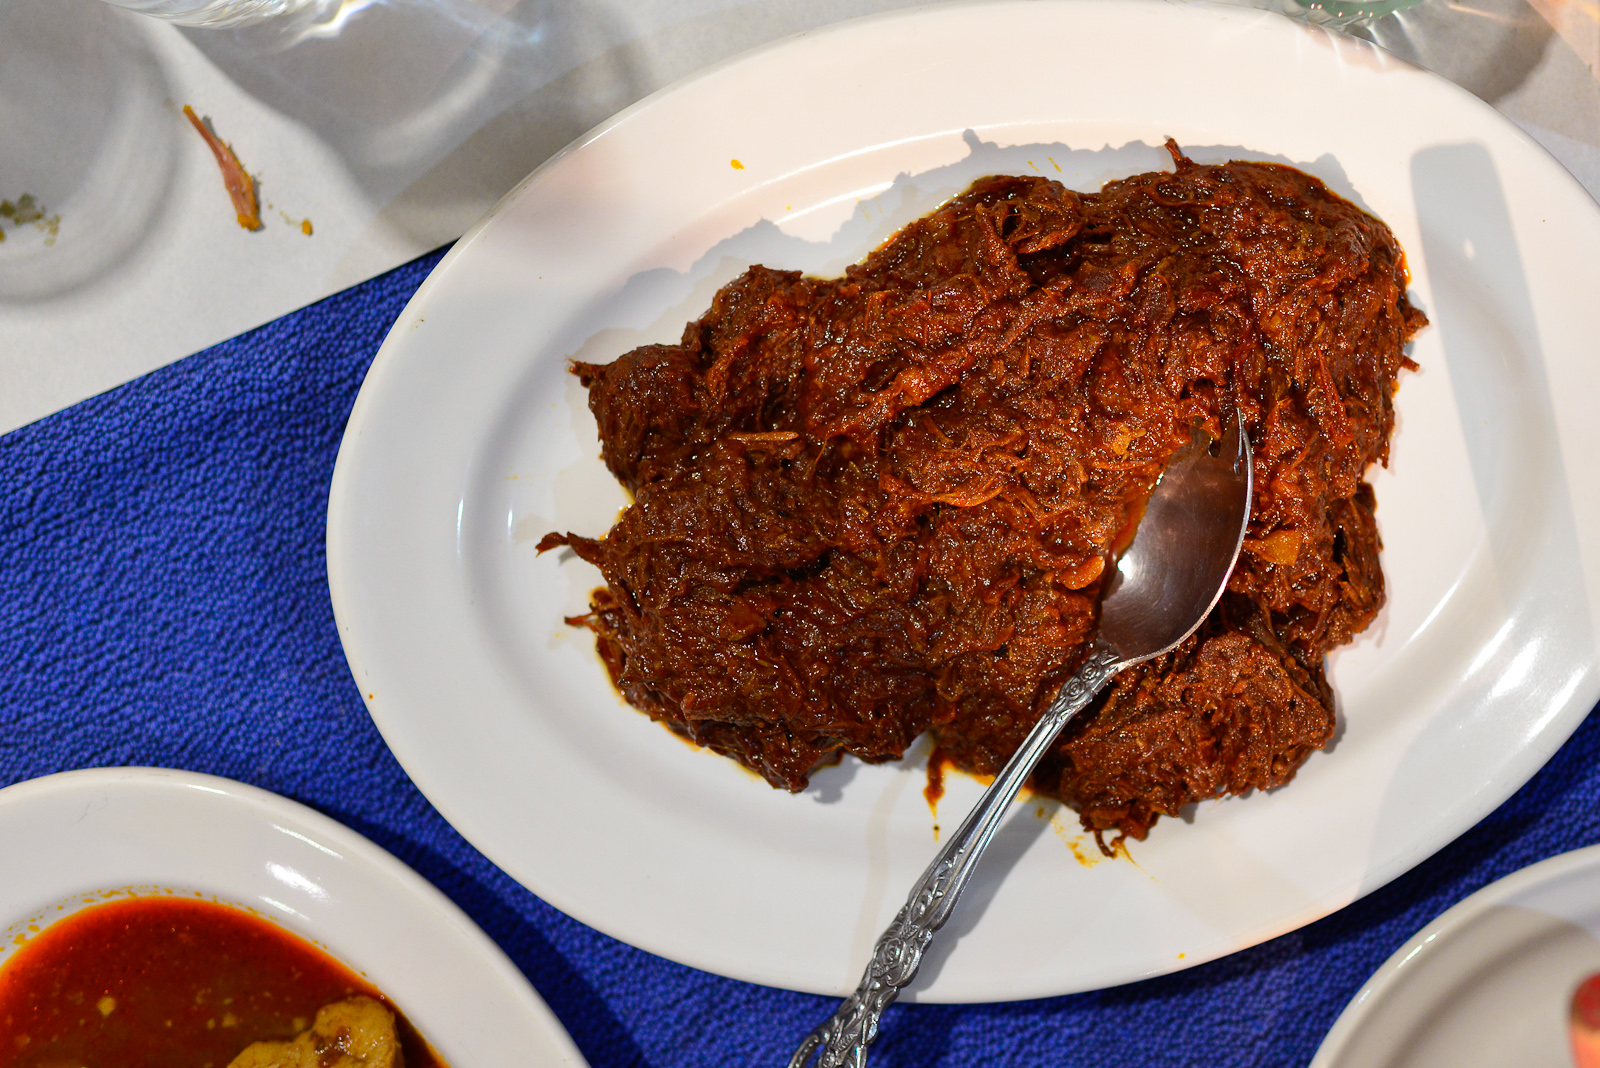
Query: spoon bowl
1172, 574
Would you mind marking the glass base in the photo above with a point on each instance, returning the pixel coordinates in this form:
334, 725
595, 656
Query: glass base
226, 13
1334, 13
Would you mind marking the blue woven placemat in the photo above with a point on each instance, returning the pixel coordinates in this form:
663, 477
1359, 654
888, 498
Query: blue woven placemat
164, 601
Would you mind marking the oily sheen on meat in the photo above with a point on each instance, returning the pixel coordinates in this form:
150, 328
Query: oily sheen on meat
879, 505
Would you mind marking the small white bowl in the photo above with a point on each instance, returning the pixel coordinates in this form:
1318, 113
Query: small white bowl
70, 840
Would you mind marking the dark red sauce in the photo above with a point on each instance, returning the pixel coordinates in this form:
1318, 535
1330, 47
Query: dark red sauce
166, 982
937, 762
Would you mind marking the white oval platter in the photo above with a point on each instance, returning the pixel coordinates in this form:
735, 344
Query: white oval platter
469, 440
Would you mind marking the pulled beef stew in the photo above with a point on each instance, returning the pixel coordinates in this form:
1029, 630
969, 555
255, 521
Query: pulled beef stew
879, 505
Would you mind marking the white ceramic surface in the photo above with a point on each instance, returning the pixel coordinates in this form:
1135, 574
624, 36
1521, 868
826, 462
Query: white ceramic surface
1487, 984
470, 440
68, 838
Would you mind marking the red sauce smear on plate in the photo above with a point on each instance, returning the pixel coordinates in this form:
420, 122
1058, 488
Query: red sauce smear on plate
163, 982
937, 762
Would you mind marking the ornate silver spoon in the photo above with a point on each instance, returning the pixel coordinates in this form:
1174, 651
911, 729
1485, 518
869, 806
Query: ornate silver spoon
1165, 584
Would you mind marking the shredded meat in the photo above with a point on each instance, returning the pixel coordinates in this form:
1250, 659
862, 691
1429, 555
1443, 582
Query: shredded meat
878, 505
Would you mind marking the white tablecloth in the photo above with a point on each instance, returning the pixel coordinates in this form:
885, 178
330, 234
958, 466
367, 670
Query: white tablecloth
404, 122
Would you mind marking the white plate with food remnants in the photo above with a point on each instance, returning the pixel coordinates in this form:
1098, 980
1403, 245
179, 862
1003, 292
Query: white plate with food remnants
1495, 980
146, 909
471, 441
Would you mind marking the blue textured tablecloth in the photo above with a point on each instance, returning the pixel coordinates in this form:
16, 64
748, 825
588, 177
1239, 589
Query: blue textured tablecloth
164, 601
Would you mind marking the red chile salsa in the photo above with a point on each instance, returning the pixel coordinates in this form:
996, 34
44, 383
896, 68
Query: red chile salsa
168, 982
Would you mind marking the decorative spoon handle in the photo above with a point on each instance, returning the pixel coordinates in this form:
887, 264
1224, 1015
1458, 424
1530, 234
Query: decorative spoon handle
844, 1037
